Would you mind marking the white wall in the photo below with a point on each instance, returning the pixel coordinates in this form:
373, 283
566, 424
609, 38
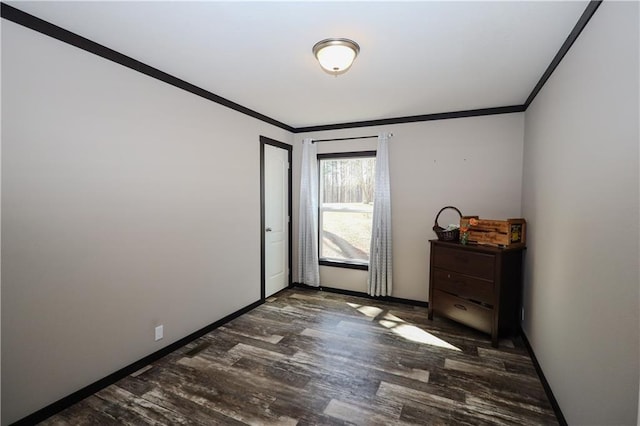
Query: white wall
473, 163
127, 203
580, 196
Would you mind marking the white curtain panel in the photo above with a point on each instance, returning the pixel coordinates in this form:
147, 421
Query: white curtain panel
308, 268
380, 254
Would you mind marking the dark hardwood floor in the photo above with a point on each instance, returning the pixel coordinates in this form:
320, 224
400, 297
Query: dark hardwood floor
309, 357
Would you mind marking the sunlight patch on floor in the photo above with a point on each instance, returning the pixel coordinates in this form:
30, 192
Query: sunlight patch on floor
370, 311
392, 317
402, 328
416, 334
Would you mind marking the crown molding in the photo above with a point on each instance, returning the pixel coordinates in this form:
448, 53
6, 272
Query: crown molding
34, 23
415, 118
571, 38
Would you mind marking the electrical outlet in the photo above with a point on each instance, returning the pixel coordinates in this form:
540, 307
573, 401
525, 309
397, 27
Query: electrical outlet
159, 332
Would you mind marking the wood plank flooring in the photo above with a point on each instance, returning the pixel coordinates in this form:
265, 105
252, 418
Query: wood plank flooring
309, 357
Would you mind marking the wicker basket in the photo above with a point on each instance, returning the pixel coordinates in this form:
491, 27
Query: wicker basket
444, 235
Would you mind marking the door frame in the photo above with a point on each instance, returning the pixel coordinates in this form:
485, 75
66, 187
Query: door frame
267, 141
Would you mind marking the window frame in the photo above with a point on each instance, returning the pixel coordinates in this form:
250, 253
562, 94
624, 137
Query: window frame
333, 262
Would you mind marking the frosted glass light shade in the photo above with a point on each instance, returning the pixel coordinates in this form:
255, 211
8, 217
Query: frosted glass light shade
336, 55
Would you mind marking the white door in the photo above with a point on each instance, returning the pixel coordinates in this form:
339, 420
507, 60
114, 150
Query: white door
276, 202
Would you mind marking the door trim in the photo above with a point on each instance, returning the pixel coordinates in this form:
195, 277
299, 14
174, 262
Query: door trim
266, 141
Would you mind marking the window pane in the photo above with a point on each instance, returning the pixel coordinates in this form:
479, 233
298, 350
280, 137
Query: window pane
346, 208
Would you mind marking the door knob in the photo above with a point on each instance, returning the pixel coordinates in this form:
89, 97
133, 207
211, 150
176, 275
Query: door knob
268, 229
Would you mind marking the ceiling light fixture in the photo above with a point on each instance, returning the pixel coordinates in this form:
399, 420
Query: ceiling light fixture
336, 55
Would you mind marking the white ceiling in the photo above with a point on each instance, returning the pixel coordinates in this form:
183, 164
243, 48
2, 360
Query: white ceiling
416, 57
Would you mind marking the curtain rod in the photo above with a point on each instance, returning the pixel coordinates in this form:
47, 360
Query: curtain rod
346, 139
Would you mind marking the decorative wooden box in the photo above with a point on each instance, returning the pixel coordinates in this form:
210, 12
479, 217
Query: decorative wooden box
497, 233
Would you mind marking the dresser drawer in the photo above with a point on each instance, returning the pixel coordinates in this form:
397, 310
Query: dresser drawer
463, 286
462, 310
479, 265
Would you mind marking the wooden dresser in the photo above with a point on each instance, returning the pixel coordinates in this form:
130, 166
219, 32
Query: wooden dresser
479, 286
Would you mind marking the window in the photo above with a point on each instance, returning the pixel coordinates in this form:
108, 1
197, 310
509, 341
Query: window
346, 208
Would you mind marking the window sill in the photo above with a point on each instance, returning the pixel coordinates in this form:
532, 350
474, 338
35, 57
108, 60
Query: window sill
344, 264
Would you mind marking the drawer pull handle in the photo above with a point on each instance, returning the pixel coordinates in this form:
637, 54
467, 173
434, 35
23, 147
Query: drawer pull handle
449, 276
459, 306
